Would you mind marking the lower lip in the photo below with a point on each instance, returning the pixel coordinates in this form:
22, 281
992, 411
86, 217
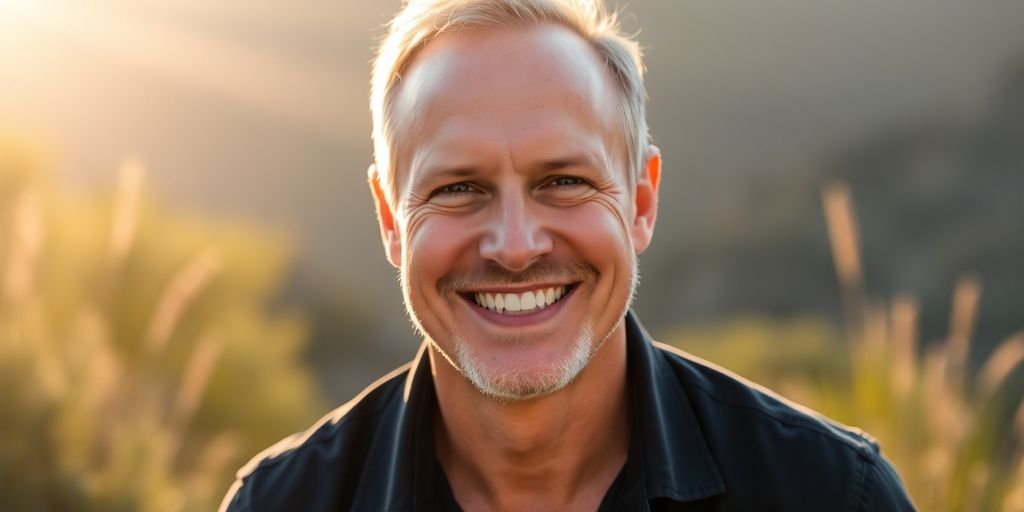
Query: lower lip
521, 320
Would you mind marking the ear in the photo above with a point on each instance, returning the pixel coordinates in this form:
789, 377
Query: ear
646, 200
389, 232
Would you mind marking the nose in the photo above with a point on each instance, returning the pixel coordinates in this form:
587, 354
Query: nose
515, 236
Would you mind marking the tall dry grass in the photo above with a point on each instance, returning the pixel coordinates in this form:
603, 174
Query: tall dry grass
954, 431
956, 435
139, 361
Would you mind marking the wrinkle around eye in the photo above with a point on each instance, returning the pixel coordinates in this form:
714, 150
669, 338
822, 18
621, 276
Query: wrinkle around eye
425, 208
460, 202
567, 196
616, 207
415, 217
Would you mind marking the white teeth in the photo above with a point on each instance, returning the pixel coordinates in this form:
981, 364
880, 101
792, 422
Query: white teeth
530, 301
527, 301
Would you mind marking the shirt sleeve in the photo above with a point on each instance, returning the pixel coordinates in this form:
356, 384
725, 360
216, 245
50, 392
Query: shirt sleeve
883, 490
235, 499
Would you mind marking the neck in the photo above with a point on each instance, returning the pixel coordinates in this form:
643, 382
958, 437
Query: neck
556, 452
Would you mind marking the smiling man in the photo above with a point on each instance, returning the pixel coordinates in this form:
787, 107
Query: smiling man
515, 187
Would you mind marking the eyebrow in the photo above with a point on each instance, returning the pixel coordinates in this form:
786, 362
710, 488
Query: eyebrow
581, 159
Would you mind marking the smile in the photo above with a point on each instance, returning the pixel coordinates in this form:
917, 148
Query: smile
530, 301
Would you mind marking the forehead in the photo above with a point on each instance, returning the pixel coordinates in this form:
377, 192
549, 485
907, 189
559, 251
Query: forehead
543, 80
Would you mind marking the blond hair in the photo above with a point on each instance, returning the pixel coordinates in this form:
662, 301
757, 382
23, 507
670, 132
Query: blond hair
420, 21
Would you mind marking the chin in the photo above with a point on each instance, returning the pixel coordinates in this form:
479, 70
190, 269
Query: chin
527, 381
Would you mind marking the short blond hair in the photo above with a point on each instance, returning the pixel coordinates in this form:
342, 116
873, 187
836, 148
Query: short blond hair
420, 21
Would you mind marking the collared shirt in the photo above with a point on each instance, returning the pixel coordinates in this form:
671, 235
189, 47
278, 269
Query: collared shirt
701, 440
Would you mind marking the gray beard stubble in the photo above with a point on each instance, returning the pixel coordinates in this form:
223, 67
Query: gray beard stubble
519, 386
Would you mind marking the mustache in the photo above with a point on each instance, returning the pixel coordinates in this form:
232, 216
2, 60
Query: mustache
489, 274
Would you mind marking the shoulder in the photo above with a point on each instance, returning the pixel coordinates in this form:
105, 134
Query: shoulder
766, 445
720, 391
316, 468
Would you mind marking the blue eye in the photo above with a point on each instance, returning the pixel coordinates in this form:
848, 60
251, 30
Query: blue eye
567, 181
455, 189
565, 190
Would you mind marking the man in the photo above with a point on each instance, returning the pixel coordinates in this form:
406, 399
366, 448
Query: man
515, 186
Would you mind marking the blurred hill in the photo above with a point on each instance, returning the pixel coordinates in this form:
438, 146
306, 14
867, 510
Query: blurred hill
937, 198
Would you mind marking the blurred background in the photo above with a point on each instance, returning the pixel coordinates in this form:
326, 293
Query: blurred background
190, 268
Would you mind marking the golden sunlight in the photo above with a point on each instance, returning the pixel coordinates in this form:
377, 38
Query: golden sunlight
47, 44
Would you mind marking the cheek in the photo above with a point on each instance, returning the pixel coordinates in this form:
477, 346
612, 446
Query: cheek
600, 221
597, 229
434, 244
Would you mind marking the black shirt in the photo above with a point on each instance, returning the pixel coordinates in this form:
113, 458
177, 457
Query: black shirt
702, 439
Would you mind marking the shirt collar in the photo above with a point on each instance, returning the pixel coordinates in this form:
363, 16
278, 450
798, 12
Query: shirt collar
407, 444
674, 458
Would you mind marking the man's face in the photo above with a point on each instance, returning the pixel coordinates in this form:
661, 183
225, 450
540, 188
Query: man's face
517, 223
